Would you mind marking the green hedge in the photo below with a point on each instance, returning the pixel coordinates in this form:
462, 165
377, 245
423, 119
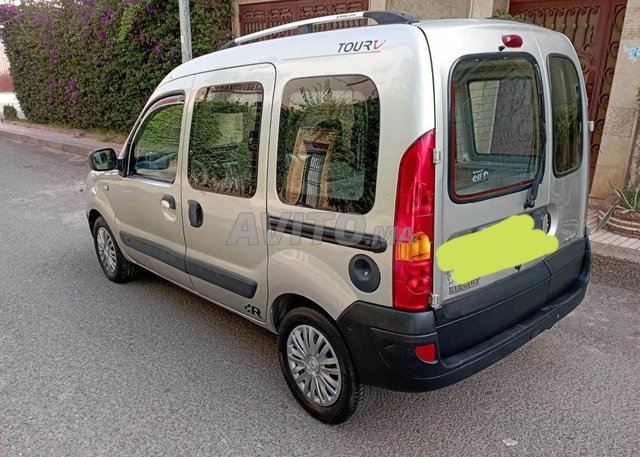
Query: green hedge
94, 63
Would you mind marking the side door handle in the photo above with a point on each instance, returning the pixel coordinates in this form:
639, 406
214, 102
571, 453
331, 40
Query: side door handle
168, 202
196, 218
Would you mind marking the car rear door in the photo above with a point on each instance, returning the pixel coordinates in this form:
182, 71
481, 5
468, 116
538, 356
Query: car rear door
491, 114
224, 186
569, 172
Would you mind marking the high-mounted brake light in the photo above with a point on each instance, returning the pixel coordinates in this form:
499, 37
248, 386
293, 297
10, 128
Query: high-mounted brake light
412, 255
512, 41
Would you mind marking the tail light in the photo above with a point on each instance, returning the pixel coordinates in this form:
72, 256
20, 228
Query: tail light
413, 250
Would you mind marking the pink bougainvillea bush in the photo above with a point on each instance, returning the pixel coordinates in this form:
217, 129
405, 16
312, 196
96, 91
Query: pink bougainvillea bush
93, 63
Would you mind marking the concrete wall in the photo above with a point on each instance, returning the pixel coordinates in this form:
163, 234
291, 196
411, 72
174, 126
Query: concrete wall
431, 9
618, 159
485, 8
448, 9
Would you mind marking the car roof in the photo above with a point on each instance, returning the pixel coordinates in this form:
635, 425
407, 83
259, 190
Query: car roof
318, 44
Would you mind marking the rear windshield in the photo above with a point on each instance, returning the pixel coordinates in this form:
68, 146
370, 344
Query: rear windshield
496, 126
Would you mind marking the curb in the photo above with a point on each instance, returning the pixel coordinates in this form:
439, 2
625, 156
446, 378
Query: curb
65, 147
75, 148
615, 265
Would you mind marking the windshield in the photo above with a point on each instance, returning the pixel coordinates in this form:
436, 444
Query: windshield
496, 126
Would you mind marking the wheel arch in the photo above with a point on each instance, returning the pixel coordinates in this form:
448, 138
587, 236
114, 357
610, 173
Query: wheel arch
284, 303
93, 215
109, 218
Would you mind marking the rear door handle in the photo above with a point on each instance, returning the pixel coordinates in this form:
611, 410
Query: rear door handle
168, 202
196, 218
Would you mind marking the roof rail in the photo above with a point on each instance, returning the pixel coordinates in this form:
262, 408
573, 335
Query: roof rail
306, 26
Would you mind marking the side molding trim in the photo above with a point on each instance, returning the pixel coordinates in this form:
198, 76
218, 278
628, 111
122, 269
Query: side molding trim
220, 277
362, 241
154, 250
217, 276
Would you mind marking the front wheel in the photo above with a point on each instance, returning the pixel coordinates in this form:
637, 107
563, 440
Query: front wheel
114, 265
318, 368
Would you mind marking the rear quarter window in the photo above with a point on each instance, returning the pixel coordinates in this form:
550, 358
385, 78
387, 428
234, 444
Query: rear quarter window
496, 126
328, 143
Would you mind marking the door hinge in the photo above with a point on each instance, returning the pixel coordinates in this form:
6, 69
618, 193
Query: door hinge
434, 301
437, 156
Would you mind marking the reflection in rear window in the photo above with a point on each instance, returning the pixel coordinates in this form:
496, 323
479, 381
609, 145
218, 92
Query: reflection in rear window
496, 126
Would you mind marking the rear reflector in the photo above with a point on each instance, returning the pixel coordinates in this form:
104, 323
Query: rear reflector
512, 41
427, 353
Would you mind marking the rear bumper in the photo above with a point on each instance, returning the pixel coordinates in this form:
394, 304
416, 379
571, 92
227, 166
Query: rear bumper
382, 339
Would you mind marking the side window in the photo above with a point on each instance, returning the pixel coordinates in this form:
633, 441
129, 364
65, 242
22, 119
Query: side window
157, 142
328, 143
225, 133
566, 107
496, 123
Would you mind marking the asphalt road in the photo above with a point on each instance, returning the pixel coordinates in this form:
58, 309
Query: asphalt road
88, 367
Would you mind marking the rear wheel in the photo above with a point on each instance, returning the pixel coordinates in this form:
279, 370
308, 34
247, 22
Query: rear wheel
114, 265
318, 368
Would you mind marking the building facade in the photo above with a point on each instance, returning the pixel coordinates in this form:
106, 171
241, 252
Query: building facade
6, 83
605, 33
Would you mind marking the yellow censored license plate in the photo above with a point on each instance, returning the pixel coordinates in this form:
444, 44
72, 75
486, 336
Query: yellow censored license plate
504, 245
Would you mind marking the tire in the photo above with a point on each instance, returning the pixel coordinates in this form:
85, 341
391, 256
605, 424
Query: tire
114, 265
310, 385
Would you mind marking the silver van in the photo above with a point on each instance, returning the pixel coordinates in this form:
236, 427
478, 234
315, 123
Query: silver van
279, 178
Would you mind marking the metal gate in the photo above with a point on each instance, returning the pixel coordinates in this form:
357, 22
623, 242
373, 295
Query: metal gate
594, 27
259, 16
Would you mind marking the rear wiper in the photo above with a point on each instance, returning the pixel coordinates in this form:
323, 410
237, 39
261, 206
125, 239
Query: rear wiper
530, 202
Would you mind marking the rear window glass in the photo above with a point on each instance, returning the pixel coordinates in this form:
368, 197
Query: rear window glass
566, 106
496, 126
328, 143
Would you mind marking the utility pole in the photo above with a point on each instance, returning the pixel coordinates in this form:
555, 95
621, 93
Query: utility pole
185, 30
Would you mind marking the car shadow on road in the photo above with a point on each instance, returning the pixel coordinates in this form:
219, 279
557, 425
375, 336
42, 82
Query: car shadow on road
253, 353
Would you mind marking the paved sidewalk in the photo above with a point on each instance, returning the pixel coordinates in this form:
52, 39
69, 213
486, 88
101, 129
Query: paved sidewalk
605, 237
616, 258
74, 142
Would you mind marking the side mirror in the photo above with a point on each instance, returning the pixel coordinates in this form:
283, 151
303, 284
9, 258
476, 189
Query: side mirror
103, 160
